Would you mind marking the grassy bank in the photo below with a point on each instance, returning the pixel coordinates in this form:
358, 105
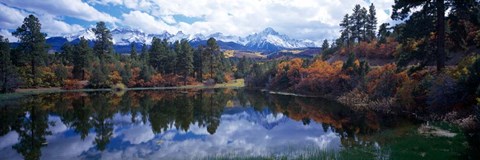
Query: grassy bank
19, 93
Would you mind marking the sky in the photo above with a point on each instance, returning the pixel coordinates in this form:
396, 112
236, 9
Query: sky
301, 19
138, 141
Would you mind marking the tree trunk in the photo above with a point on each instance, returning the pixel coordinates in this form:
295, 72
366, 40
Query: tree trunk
33, 72
440, 35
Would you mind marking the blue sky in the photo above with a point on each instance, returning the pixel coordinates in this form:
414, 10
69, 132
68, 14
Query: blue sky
302, 19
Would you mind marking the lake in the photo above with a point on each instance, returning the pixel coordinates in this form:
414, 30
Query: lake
213, 124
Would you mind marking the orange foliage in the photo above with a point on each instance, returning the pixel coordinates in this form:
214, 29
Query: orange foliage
383, 82
291, 70
115, 77
375, 49
71, 84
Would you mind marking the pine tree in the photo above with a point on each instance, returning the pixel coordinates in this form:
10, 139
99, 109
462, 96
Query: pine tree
371, 23
32, 43
8, 80
383, 33
402, 9
144, 55
133, 51
212, 52
170, 60
242, 68
99, 77
146, 73
126, 74
184, 59
325, 45
103, 46
82, 56
198, 63
67, 53
159, 53
357, 23
346, 32
61, 73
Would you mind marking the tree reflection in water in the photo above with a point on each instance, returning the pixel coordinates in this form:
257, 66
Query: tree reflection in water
94, 113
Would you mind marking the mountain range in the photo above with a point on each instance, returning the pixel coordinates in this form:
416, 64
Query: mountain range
266, 41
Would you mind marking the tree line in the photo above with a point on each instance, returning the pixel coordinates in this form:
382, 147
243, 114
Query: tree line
162, 63
410, 71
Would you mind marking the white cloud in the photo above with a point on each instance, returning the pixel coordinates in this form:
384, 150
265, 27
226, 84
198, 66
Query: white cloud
302, 19
7, 34
13, 18
10, 17
72, 8
146, 22
55, 27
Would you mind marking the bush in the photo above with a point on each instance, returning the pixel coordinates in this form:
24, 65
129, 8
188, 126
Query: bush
119, 87
383, 82
72, 84
477, 38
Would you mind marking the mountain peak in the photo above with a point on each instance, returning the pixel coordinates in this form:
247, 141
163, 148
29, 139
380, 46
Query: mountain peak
270, 30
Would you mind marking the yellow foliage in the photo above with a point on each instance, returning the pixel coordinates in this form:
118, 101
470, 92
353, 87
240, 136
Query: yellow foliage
115, 77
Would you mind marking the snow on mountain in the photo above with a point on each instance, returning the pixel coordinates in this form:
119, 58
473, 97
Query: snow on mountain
272, 37
228, 38
87, 34
266, 40
126, 36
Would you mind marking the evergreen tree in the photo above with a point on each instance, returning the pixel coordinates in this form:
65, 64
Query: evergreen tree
198, 63
346, 32
325, 45
67, 53
383, 33
242, 68
350, 62
99, 77
126, 73
158, 54
357, 23
103, 46
82, 56
371, 23
170, 60
133, 51
144, 55
211, 55
8, 80
146, 73
185, 59
32, 43
402, 9
61, 73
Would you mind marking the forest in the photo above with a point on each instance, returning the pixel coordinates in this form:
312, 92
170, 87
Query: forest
82, 65
427, 63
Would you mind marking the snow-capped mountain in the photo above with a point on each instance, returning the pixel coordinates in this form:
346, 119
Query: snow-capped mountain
266, 40
271, 38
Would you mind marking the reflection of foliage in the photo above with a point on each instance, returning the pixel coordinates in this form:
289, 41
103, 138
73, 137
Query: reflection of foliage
32, 129
165, 110
100, 121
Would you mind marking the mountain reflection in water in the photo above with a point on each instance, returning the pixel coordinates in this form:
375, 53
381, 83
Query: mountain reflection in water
184, 125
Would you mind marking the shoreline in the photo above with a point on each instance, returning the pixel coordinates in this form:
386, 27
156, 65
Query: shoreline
465, 122
34, 91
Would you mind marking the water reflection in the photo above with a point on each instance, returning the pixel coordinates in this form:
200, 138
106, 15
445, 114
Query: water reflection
181, 125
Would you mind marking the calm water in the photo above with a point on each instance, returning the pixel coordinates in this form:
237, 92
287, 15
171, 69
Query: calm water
210, 124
